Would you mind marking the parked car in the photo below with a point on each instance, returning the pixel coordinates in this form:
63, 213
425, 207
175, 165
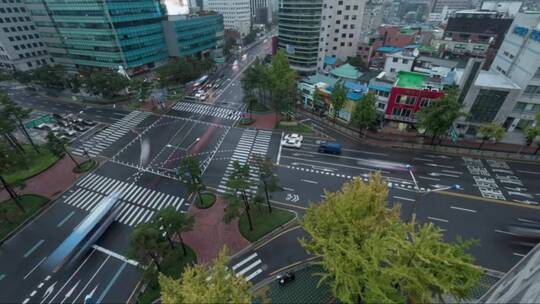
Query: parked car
52, 127
63, 123
329, 147
89, 122
41, 126
291, 143
294, 136
69, 132
80, 128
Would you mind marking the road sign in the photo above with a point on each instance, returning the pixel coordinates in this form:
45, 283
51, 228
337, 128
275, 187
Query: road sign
453, 134
36, 122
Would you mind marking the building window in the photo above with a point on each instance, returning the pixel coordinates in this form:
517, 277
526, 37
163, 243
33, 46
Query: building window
347, 7
395, 59
532, 90
487, 105
351, 35
342, 44
405, 61
537, 74
392, 70
340, 3
29, 64
425, 102
355, 7
339, 12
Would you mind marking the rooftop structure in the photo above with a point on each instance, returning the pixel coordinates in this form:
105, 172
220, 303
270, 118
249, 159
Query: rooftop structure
346, 71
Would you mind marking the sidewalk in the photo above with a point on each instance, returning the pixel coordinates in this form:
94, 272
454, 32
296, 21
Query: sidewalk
392, 138
263, 121
210, 233
49, 183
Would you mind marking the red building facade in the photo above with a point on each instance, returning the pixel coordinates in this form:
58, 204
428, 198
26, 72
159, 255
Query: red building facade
403, 103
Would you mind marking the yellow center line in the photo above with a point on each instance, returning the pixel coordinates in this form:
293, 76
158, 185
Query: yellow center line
490, 200
276, 236
292, 265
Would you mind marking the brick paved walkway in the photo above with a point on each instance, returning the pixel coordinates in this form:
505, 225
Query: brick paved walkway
264, 121
49, 183
210, 233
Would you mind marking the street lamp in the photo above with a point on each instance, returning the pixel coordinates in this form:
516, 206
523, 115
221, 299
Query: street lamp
420, 194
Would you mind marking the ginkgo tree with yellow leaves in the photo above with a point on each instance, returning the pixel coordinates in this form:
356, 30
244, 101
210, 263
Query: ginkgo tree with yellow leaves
214, 283
370, 255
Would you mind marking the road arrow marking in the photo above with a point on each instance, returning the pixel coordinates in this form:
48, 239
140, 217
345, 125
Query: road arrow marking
48, 292
70, 292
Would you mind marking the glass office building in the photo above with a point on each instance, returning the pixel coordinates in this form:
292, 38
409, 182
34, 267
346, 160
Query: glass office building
101, 33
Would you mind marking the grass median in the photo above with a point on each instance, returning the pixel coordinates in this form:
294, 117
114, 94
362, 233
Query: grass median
208, 200
299, 128
263, 222
11, 216
85, 166
35, 164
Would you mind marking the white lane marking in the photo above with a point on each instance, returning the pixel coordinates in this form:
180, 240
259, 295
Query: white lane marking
528, 172
32, 270
288, 189
429, 178
452, 172
518, 254
309, 181
115, 255
251, 266
254, 274
280, 146
239, 264
437, 219
505, 232
421, 159
528, 221
404, 198
463, 209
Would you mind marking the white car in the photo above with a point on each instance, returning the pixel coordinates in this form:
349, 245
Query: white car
291, 143
294, 136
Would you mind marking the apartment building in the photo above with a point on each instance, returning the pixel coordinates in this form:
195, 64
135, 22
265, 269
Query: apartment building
237, 14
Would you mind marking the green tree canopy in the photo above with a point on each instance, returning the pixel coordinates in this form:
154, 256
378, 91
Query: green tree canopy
182, 70
206, 284
368, 254
190, 175
173, 223
239, 183
338, 98
364, 114
55, 145
50, 76
270, 182
437, 118
491, 131
282, 83
146, 244
105, 82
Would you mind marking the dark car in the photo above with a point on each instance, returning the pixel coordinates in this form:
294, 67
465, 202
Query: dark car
285, 278
89, 122
525, 233
329, 147
79, 128
63, 123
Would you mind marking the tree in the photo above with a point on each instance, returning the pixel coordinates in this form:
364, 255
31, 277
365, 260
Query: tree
490, 131
173, 223
206, 284
370, 256
190, 170
141, 88
16, 114
55, 145
437, 118
269, 181
282, 83
532, 133
364, 114
357, 62
50, 76
182, 70
239, 182
338, 98
146, 244
105, 82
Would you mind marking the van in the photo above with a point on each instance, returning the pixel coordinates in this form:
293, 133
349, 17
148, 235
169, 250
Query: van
330, 147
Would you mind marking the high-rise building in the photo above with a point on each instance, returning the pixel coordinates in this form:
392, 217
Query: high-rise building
341, 27
236, 13
255, 4
519, 60
299, 32
21, 46
195, 35
103, 34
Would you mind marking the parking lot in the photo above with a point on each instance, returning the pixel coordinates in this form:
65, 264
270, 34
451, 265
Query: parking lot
68, 127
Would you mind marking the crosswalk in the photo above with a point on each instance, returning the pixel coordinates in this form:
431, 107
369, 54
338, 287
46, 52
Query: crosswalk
250, 267
139, 204
251, 142
101, 141
209, 110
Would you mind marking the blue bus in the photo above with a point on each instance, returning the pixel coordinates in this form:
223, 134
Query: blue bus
85, 234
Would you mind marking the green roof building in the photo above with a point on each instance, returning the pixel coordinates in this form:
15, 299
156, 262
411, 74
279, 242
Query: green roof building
346, 72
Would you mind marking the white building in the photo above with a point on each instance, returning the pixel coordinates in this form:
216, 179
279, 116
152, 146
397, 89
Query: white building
519, 59
236, 13
399, 61
341, 28
21, 47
